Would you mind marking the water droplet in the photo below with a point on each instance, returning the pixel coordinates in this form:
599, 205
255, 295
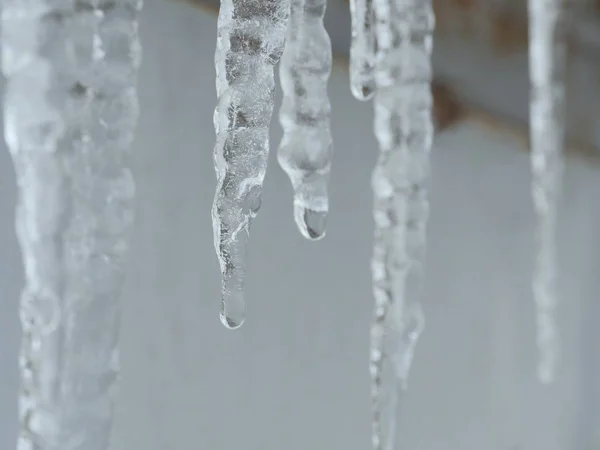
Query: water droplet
233, 309
312, 223
230, 322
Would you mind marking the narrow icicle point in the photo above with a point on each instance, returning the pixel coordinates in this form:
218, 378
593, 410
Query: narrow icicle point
404, 129
70, 112
250, 41
306, 148
363, 48
548, 25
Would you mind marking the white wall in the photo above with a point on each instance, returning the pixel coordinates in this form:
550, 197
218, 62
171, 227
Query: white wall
295, 376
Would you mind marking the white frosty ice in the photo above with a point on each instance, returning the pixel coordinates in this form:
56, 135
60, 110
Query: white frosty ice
70, 113
404, 131
548, 20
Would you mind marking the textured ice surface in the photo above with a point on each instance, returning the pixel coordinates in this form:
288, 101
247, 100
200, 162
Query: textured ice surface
250, 40
306, 148
70, 114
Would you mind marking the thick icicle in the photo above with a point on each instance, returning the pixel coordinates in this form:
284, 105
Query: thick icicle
547, 69
362, 49
306, 148
250, 41
70, 114
404, 130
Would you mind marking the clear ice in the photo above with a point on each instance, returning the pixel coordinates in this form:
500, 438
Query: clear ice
404, 130
306, 148
250, 41
70, 114
363, 49
547, 70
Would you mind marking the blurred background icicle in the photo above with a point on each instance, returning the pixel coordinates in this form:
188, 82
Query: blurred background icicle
404, 129
70, 114
548, 33
306, 148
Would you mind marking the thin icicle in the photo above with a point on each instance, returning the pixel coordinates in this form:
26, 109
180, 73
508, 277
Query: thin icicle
547, 70
362, 49
306, 148
70, 114
404, 130
251, 35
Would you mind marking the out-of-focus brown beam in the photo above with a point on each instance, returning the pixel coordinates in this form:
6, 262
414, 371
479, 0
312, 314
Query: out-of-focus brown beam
503, 30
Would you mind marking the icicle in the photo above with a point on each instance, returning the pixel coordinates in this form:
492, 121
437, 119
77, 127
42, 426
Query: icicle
362, 49
306, 148
70, 114
250, 41
404, 130
547, 68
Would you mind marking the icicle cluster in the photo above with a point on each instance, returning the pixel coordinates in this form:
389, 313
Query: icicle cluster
404, 129
70, 115
250, 41
306, 148
547, 67
391, 49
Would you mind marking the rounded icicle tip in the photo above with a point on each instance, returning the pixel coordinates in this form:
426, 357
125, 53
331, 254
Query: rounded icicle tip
233, 309
231, 323
312, 223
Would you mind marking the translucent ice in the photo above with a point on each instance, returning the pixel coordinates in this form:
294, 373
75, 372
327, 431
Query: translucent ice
306, 148
250, 41
362, 49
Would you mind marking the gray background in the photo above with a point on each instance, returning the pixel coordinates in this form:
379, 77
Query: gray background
295, 375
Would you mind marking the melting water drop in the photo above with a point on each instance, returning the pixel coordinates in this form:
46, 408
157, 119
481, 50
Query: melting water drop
311, 223
233, 310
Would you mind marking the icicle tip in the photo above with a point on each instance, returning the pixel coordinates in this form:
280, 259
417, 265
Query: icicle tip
233, 308
311, 222
231, 322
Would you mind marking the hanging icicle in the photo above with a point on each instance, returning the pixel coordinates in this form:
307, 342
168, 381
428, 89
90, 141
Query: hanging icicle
250, 41
362, 49
306, 148
547, 70
404, 130
70, 115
